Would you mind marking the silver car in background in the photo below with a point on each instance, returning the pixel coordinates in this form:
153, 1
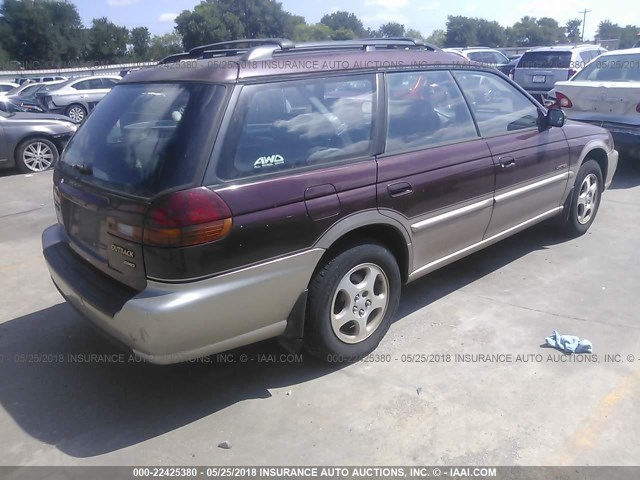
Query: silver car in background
75, 98
33, 141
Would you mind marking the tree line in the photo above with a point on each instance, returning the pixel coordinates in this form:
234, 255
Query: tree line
51, 31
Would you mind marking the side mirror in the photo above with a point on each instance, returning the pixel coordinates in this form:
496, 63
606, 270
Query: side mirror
555, 117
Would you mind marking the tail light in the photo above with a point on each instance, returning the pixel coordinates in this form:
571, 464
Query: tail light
638, 108
563, 101
188, 217
572, 72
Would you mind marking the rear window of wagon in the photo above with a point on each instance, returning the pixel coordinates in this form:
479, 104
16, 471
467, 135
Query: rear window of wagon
143, 139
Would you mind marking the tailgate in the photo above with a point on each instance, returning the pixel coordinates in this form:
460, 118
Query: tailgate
98, 224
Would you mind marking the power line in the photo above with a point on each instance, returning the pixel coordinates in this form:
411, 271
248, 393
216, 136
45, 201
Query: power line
584, 21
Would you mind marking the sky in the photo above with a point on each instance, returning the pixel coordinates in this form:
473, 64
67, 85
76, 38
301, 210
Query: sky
423, 15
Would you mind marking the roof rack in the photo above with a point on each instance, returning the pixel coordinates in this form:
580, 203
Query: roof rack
255, 49
226, 48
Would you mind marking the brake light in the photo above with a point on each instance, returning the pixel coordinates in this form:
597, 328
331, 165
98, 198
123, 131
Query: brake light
563, 101
188, 217
572, 72
638, 108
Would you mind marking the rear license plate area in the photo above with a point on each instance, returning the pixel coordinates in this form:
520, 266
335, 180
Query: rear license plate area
539, 79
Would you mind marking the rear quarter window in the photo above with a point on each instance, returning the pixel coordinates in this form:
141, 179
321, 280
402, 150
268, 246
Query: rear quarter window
295, 124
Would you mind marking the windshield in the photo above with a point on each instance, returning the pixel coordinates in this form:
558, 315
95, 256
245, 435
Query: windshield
612, 68
549, 59
145, 138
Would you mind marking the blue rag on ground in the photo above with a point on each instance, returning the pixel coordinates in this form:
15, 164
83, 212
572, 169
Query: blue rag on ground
568, 343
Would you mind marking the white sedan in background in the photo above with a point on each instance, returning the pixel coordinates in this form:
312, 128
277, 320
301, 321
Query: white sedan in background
7, 86
607, 93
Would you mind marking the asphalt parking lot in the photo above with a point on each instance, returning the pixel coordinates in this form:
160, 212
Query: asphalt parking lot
58, 406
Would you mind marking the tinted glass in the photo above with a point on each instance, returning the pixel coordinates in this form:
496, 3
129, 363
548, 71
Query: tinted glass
30, 90
294, 124
425, 109
493, 58
84, 85
549, 59
109, 83
143, 139
498, 107
612, 68
5, 88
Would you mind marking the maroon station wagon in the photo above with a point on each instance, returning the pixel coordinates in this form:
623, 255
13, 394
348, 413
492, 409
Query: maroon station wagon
249, 190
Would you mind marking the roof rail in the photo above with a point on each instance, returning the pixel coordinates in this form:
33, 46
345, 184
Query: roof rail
256, 49
226, 48
283, 43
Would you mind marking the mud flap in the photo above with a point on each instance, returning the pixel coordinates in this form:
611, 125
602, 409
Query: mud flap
291, 339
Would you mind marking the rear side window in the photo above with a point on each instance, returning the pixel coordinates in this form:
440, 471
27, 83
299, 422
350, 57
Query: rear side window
142, 139
84, 85
285, 125
425, 109
498, 107
550, 59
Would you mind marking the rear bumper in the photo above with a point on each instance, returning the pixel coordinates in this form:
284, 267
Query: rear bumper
626, 135
172, 323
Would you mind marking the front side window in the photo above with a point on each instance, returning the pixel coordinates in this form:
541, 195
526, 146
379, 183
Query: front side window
84, 85
498, 107
300, 123
425, 109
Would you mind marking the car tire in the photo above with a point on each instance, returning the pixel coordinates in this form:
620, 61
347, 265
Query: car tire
76, 112
352, 301
36, 155
584, 201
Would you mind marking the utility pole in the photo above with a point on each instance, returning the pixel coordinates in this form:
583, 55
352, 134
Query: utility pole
584, 21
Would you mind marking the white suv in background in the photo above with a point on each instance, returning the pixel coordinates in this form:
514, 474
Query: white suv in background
540, 68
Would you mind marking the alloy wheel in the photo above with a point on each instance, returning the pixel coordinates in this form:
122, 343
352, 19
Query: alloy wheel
587, 199
38, 156
359, 303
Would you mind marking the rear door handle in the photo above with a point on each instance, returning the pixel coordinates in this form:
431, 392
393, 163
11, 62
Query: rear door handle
506, 162
399, 189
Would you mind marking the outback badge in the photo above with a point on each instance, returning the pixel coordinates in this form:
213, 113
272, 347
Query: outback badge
122, 250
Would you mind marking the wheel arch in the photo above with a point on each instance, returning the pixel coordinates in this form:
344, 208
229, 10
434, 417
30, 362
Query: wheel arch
369, 225
600, 156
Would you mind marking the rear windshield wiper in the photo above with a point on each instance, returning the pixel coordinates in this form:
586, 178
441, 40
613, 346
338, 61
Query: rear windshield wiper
83, 169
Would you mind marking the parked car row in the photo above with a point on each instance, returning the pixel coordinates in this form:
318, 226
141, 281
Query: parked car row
75, 98
588, 82
38, 118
